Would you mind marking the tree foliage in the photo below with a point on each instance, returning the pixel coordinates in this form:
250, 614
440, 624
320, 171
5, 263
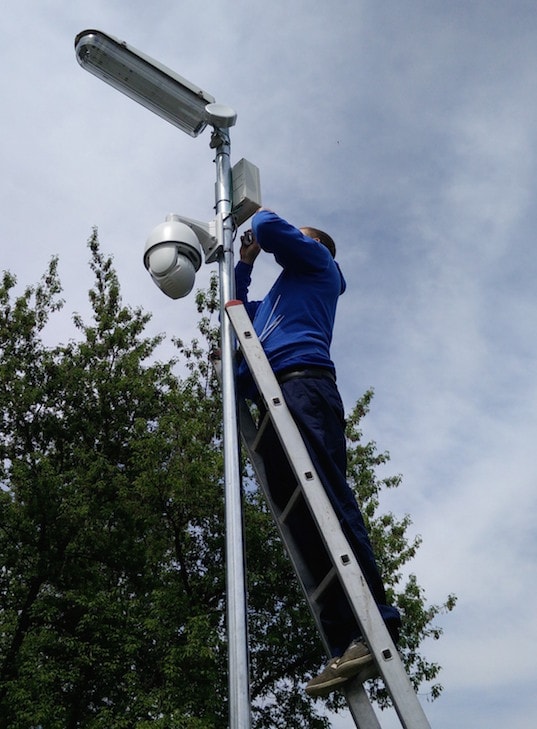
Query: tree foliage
112, 589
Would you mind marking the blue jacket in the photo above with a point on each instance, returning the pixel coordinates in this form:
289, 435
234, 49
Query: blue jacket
295, 320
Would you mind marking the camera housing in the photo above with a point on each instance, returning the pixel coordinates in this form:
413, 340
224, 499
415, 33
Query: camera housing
172, 256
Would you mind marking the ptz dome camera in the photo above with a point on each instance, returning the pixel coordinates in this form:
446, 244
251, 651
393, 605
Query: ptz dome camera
172, 256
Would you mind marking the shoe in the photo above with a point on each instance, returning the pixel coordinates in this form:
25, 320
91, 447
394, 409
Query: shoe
357, 659
328, 680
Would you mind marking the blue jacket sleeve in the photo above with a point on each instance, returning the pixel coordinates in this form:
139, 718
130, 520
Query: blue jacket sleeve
291, 248
243, 277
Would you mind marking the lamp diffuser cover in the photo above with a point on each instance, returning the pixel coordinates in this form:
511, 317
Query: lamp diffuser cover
143, 79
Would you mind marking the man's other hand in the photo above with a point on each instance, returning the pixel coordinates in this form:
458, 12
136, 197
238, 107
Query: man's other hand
248, 253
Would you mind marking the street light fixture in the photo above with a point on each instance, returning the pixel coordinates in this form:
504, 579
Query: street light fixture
143, 79
172, 256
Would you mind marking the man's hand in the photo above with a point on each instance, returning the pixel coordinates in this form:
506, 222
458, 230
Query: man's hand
249, 249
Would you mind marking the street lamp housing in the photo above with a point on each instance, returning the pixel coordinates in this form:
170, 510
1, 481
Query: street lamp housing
143, 79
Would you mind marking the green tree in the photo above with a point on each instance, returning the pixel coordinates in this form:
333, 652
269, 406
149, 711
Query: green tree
110, 523
112, 590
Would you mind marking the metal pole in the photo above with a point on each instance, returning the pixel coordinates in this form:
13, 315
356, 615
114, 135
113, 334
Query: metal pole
239, 693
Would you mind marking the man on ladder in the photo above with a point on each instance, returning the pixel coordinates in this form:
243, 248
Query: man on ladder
294, 323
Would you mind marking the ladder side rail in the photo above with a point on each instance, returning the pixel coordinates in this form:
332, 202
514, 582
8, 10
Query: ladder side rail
361, 601
349, 571
360, 705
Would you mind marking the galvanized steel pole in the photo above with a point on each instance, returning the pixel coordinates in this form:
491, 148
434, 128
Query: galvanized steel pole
237, 632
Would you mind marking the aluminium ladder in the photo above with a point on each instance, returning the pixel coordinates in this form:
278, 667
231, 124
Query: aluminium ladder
342, 564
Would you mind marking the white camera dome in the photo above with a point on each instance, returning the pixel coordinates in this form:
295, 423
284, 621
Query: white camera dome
175, 280
172, 257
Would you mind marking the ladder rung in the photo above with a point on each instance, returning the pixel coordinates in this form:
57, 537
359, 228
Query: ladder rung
295, 496
261, 431
324, 584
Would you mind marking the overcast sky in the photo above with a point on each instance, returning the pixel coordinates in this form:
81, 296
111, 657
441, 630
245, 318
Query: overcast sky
405, 128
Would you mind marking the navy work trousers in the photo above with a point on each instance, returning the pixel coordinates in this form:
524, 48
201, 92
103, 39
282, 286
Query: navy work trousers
316, 406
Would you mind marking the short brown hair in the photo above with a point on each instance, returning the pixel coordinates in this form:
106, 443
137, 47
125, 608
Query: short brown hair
323, 237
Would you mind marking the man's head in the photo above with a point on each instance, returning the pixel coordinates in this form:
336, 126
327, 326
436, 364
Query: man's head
322, 237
